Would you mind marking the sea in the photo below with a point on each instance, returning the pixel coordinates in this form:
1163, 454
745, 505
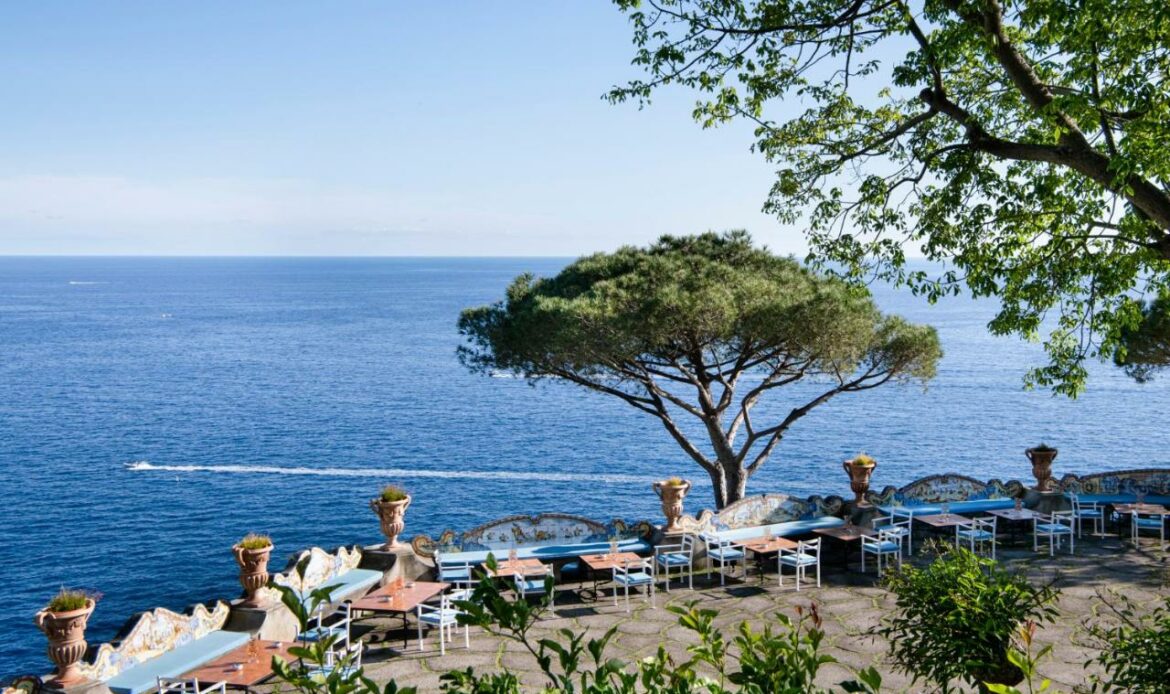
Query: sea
155, 410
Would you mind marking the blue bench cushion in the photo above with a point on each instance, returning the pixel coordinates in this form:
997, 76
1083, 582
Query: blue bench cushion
144, 676
786, 529
547, 552
354, 582
960, 507
1123, 498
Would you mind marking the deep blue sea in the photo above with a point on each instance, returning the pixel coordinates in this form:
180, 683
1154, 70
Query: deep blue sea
153, 410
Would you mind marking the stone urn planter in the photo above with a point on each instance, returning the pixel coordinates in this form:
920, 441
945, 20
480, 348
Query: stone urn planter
391, 509
859, 469
672, 492
66, 633
1041, 458
252, 554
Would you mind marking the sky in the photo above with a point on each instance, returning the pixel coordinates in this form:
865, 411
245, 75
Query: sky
351, 128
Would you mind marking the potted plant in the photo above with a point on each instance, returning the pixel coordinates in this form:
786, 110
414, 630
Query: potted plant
672, 491
252, 553
391, 507
860, 469
1041, 458
63, 620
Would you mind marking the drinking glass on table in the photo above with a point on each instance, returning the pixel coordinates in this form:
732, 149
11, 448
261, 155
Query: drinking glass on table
946, 509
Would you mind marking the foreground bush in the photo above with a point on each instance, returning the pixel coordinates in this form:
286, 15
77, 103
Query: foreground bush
1135, 650
956, 618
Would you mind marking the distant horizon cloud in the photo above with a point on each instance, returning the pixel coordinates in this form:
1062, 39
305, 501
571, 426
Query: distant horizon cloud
116, 215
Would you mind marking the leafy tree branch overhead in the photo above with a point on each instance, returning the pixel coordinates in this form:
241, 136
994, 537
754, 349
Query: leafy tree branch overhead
697, 331
1021, 143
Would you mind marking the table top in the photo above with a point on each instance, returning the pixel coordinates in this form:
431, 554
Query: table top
943, 520
604, 562
766, 545
848, 533
1016, 514
524, 567
399, 599
1141, 508
254, 668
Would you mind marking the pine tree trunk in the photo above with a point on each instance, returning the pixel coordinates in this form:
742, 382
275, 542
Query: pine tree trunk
729, 482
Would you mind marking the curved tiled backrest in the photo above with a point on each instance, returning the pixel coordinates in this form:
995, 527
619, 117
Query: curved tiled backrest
948, 487
526, 531
153, 634
321, 567
763, 509
1149, 480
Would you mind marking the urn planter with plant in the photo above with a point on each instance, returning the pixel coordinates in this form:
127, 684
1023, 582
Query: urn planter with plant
63, 621
252, 553
391, 507
672, 491
1041, 458
860, 469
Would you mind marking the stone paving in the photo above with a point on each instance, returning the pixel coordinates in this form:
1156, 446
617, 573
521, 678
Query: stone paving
850, 603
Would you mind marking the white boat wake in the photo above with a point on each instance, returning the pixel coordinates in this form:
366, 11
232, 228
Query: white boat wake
146, 466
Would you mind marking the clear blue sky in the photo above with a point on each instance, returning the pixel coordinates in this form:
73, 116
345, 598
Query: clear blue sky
350, 128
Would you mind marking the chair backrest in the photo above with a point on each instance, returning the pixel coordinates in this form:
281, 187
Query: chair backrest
644, 565
889, 536
688, 544
714, 541
809, 546
901, 514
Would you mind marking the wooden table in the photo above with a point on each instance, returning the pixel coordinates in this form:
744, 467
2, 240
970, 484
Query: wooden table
524, 567
764, 546
844, 536
599, 564
401, 600
1014, 516
253, 668
847, 533
943, 520
1150, 509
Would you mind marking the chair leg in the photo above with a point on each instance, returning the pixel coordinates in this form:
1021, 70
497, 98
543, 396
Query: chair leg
420, 636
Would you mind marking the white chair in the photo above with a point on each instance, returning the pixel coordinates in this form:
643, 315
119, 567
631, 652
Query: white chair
170, 685
443, 617
631, 575
724, 552
681, 555
337, 624
463, 590
1055, 527
1149, 522
807, 553
899, 522
1087, 510
976, 532
451, 571
885, 544
346, 660
533, 584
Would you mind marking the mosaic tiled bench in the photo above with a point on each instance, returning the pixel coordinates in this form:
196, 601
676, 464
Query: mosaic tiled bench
163, 643
962, 494
339, 571
1120, 487
755, 516
555, 538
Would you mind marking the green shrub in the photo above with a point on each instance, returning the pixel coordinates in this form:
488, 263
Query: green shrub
68, 600
955, 619
393, 493
255, 541
864, 460
1135, 650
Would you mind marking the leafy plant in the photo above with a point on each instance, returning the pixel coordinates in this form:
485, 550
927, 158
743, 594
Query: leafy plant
1134, 649
784, 657
255, 541
674, 482
68, 600
393, 493
955, 619
863, 460
318, 669
1025, 658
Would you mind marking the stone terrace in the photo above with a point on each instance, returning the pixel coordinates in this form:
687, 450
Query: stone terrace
850, 603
